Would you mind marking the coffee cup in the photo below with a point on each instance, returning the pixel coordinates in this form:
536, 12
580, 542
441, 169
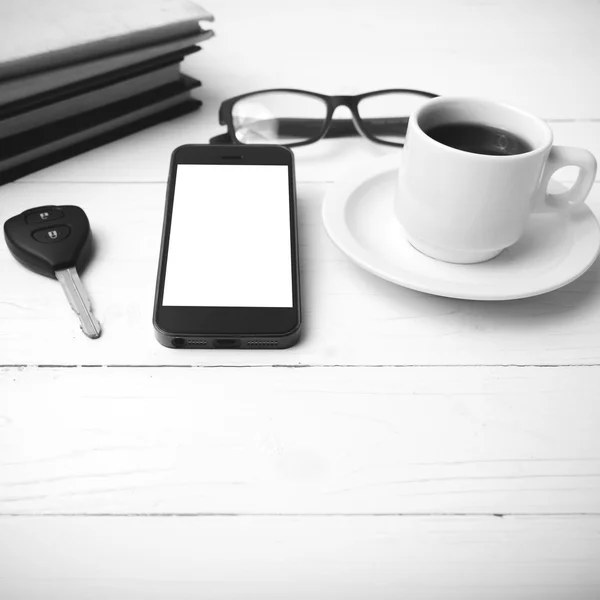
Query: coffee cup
473, 170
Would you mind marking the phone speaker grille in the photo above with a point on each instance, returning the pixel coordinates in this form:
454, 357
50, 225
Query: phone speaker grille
263, 343
196, 342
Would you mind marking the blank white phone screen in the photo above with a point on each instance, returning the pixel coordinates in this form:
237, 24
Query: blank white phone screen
230, 237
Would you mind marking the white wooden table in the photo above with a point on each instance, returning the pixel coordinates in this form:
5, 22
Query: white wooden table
410, 446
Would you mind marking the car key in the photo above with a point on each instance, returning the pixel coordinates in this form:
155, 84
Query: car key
56, 241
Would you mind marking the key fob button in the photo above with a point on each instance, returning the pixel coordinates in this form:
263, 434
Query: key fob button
52, 234
48, 214
48, 247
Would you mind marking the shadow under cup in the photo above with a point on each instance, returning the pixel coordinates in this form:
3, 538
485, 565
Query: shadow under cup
457, 200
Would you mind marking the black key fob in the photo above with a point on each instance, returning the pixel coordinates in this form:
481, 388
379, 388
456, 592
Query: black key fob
47, 239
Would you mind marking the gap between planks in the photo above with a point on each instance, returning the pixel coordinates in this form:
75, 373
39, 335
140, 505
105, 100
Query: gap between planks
210, 515
303, 366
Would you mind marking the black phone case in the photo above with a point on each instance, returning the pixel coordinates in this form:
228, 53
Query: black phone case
229, 340
220, 342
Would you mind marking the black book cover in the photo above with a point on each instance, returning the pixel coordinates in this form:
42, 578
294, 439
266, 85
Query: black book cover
30, 151
36, 101
95, 142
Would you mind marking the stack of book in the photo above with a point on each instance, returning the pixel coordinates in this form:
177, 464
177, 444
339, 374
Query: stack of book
76, 74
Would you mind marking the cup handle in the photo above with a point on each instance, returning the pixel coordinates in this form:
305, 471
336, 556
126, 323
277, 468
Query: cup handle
565, 156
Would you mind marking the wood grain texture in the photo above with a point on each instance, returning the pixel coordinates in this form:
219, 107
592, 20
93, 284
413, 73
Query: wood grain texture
381, 558
188, 481
305, 440
539, 57
350, 316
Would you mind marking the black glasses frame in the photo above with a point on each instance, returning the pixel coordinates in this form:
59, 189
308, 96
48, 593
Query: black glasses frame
327, 127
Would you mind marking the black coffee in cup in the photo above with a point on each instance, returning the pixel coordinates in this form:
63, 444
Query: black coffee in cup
479, 139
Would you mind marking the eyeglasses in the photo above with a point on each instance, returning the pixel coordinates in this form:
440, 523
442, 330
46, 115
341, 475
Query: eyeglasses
290, 117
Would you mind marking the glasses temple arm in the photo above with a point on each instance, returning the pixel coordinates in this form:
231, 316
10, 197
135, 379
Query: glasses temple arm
310, 128
295, 127
224, 138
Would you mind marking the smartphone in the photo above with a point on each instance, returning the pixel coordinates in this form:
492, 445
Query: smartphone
228, 274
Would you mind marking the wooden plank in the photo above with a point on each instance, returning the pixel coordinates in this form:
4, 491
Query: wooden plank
305, 440
300, 558
351, 317
514, 51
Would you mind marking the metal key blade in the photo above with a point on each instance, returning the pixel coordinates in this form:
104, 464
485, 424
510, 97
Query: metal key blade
79, 301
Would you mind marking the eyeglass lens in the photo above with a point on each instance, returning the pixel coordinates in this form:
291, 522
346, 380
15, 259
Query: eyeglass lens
278, 118
385, 116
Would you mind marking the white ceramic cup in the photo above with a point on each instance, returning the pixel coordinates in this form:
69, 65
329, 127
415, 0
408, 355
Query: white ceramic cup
464, 207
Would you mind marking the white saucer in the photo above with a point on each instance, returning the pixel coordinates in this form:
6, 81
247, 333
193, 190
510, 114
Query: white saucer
358, 214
